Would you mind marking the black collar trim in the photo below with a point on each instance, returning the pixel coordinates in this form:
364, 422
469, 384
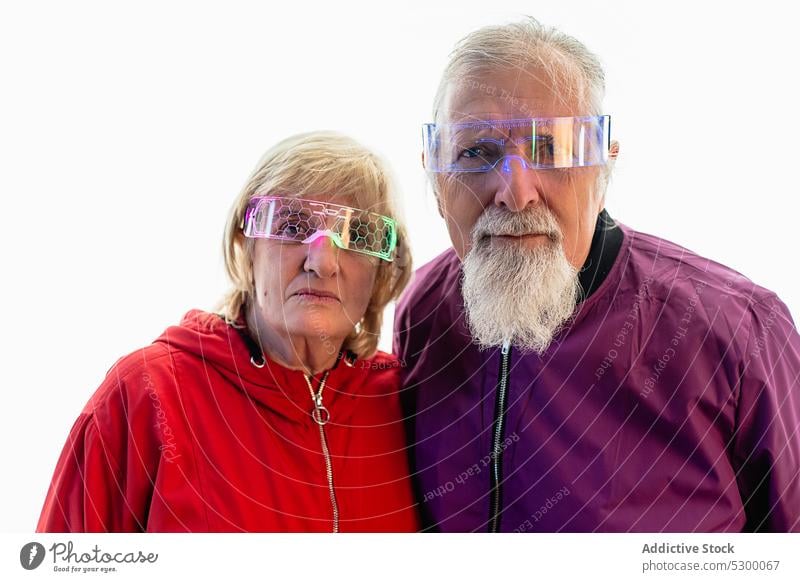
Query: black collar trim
606, 243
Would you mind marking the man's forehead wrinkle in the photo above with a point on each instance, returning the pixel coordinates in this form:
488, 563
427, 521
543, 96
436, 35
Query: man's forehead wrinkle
482, 108
485, 97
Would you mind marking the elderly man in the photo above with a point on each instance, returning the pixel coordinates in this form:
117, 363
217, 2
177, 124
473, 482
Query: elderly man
565, 372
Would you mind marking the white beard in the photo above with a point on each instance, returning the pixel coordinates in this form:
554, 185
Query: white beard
516, 293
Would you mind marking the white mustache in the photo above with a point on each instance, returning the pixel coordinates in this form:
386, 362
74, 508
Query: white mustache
496, 222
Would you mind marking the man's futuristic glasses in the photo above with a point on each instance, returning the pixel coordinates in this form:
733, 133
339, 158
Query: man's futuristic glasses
304, 221
536, 143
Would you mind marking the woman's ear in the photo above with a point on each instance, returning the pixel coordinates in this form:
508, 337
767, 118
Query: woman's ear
240, 240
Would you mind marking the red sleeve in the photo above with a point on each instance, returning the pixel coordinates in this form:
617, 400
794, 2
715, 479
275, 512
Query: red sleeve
86, 493
104, 478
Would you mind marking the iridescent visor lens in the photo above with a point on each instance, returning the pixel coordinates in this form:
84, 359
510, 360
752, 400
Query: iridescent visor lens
304, 221
536, 143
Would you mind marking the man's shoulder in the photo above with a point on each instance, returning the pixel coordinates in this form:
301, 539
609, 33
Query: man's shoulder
673, 273
432, 283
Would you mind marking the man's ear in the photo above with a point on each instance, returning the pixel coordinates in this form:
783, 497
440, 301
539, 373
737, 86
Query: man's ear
613, 151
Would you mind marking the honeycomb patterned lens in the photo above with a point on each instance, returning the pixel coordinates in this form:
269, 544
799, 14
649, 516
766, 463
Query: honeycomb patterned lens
300, 220
295, 224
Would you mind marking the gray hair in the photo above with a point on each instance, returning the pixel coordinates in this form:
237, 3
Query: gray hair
523, 45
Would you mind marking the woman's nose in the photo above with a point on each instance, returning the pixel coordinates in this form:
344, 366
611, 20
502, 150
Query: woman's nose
322, 257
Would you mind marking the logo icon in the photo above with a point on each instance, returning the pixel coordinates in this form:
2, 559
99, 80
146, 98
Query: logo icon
31, 555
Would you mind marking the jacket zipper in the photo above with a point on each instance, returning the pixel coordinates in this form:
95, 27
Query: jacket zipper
500, 410
321, 416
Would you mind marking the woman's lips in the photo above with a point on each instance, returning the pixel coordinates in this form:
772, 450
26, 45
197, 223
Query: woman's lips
316, 296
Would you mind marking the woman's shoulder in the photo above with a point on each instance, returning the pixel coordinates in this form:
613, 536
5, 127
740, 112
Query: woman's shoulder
380, 372
200, 339
380, 361
132, 378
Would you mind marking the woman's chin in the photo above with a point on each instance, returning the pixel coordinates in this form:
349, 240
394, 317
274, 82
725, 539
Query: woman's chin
318, 327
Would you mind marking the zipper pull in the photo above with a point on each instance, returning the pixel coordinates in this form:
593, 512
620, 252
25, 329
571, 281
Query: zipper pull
321, 415
506, 347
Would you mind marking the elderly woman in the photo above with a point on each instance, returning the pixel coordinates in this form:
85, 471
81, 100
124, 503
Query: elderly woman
278, 413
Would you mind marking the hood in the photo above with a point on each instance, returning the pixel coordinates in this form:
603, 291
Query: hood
222, 347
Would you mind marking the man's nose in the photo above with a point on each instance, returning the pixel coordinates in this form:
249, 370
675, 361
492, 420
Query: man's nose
322, 257
518, 185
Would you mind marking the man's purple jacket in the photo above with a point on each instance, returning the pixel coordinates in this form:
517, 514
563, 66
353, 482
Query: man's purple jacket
670, 402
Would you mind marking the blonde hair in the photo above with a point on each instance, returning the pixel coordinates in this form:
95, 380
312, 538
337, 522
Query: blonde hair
309, 164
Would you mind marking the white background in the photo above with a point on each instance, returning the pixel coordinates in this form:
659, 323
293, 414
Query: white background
126, 131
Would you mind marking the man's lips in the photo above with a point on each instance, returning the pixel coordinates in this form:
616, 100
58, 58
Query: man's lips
517, 237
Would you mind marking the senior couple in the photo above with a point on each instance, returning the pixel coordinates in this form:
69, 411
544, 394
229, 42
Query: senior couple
555, 370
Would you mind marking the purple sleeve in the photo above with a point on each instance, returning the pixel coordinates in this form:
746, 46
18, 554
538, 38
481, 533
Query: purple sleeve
766, 446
